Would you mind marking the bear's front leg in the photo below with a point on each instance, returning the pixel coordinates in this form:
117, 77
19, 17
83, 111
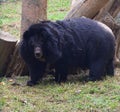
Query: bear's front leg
36, 71
61, 72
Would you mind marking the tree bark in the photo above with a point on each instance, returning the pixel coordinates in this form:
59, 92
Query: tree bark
32, 12
104, 10
7, 45
87, 8
76, 2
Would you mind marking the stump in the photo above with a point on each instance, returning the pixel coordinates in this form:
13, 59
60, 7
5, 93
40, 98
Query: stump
7, 45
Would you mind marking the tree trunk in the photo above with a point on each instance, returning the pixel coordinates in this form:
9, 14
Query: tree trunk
7, 45
76, 2
94, 9
32, 12
87, 8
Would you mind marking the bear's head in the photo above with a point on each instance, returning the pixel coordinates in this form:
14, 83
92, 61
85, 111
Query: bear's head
43, 42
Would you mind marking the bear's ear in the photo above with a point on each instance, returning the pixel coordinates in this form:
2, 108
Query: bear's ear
26, 35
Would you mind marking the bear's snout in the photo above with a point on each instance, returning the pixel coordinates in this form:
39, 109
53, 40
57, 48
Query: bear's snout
38, 52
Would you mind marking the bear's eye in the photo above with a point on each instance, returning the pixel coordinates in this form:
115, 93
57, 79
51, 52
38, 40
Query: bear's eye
42, 40
31, 42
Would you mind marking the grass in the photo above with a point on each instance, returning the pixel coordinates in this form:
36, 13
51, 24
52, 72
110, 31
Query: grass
57, 9
10, 13
73, 96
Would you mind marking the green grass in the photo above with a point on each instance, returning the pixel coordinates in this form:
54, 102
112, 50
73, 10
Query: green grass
10, 13
57, 9
72, 96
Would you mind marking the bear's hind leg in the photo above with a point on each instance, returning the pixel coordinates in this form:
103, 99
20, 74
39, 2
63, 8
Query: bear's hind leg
110, 68
97, 70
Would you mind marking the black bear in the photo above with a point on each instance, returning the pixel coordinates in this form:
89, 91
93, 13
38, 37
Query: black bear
77, 42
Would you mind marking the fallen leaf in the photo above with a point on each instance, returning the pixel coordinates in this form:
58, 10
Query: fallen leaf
2, 83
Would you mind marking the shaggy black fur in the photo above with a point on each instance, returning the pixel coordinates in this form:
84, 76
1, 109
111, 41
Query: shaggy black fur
79, 42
